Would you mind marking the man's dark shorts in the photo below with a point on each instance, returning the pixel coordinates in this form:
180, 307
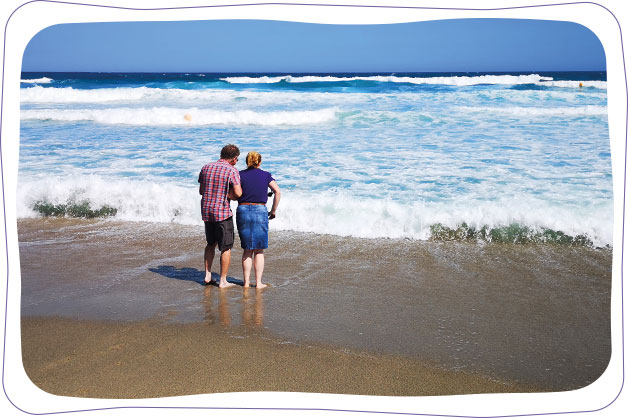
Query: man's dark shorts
221, 233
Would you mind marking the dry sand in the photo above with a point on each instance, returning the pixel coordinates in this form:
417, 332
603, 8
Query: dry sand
146, 359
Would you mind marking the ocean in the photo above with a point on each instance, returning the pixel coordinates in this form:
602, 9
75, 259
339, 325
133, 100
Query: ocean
405, 201
514, 158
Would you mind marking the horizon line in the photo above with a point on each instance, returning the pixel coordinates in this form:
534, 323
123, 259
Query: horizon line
308, 72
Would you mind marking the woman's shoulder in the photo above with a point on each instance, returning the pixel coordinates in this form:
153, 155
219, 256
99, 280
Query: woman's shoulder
269, 176
252, 170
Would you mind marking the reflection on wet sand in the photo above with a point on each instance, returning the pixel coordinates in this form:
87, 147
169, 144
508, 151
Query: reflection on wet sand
252, 308
217, 306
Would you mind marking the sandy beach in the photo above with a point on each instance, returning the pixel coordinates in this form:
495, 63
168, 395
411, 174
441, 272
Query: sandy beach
147, 359
118, 309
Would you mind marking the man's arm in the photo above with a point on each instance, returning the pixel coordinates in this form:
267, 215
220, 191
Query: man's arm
201, 189
235, 192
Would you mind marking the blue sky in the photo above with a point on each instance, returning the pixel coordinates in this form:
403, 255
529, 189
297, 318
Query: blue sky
273, 46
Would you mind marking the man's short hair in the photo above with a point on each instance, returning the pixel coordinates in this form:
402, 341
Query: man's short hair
229, 152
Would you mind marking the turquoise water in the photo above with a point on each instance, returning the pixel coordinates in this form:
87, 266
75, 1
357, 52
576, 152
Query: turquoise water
418, 156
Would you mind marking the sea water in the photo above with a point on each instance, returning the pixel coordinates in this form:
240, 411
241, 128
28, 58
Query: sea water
514, 157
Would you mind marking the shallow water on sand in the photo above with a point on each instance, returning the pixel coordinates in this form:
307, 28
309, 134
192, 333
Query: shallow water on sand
536, 314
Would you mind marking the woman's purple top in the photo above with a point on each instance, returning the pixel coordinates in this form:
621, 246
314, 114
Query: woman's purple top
254, 185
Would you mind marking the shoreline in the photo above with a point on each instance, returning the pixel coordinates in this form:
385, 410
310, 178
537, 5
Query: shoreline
534, 316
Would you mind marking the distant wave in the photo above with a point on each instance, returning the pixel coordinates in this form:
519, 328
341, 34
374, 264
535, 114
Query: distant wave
43, 80
541, 111
175, 116
195, 116
39, 94
448, 81
575, 84
516, 220
454, 80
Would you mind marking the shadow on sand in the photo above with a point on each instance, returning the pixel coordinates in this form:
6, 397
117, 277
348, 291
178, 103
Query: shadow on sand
190, 274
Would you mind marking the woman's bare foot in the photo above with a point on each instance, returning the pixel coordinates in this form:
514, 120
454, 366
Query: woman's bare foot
247, 283
261, 285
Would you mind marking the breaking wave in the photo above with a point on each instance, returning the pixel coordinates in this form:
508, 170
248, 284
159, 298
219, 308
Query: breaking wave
43, 80
447, 81
510, 220
175, 116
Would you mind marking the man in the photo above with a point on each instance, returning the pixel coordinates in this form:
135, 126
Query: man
220, 181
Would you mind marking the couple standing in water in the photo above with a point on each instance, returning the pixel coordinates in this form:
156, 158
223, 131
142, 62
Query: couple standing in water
221, 182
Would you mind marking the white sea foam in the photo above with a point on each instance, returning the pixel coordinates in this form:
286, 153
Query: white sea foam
337, 213
198, 117
43, 80
178, 116
589, 110
198, 97
194, 98
575, 84
134, 200
449, 81
454, 80
65, 95
39, 94
341, 214
256, 80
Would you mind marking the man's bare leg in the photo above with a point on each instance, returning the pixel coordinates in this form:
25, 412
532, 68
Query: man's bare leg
225, 260
247, 264
259, 269
208, 258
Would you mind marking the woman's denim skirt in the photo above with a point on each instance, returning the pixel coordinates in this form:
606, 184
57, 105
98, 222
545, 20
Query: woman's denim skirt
252, 222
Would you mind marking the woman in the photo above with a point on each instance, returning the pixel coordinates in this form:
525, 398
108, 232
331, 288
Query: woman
252, 217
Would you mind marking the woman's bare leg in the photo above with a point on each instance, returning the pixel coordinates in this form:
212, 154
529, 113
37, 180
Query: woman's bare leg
247, 264
259, 268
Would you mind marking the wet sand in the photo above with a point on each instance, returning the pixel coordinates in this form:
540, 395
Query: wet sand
108, 306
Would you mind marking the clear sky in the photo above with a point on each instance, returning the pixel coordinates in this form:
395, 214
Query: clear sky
273, 46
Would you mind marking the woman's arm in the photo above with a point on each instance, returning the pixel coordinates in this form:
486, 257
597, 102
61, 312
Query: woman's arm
277, 195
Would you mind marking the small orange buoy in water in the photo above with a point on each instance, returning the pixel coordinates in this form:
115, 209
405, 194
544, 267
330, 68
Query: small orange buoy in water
580, 84
187, 117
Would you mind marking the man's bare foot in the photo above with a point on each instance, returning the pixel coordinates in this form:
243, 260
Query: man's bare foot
209, 280
261, 285
247, 283
225, 284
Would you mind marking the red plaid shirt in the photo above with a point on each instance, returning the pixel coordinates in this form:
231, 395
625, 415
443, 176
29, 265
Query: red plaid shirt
215, 179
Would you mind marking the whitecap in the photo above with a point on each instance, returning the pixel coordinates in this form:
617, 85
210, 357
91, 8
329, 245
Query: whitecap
43, 80
180, 116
